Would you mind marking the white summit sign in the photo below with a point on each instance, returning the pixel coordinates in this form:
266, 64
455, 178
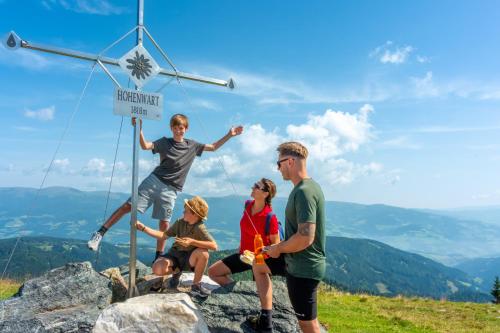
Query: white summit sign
135, 103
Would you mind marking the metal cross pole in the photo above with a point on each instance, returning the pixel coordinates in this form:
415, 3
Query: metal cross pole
13, 42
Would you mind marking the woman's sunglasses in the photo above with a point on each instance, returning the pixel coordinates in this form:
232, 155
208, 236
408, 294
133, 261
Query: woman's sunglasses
259, 187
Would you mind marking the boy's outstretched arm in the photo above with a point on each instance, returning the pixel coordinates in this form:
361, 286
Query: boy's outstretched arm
145, 145
234, 131
151, 232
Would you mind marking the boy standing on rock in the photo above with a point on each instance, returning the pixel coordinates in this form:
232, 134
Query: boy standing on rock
160, 188
190, 249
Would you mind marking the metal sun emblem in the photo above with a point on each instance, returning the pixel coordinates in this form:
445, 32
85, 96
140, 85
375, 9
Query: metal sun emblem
139, 65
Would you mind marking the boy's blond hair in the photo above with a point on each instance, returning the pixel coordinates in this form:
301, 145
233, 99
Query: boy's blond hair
179, 119
293, 148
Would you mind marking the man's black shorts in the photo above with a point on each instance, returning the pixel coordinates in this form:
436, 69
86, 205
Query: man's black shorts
180, 259
235, 265
303, 296
301, 291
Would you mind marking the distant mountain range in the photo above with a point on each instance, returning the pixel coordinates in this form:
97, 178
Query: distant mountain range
488, 214
483, 270
356, 265
67, 212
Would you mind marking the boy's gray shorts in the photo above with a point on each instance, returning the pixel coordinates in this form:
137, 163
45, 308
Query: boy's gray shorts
153, 191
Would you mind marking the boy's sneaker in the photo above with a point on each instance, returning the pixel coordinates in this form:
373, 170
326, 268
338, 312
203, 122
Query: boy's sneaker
174, 281
199, 290
94, 241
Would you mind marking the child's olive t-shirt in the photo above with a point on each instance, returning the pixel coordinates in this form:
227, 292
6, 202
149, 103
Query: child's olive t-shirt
181, 228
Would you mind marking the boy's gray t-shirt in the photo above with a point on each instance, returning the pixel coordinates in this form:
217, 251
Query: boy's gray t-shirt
176, 159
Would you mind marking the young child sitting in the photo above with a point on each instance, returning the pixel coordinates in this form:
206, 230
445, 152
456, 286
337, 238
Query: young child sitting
190, 249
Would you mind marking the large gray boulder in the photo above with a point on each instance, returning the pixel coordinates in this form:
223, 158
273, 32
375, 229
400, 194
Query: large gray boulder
227, 309
66, 299
165, 313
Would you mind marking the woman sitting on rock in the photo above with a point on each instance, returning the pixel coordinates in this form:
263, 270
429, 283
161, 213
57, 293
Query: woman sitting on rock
190, 249
256, 215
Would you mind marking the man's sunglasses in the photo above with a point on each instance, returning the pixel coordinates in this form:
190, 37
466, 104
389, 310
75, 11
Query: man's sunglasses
278, 163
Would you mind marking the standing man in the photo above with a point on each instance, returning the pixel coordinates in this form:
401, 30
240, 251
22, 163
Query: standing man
302, 253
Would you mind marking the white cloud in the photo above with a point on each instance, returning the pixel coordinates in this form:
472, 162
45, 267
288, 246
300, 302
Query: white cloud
326, 136
146, 165
98, 7
388, 53
257, 142
95, 166
43, 114
425, 87
60, 166
341, 171
392, 177
333, 133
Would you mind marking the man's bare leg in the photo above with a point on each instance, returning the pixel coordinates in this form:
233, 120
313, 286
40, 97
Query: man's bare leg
309, 326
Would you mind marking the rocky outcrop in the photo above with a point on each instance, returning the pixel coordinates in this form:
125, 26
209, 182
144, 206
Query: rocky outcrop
69, 298
166, 313
72, 297
227, 309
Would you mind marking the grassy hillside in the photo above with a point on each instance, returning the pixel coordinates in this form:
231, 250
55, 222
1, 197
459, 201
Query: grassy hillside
356, 313
8, 288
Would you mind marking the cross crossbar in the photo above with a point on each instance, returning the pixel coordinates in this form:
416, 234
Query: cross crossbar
111, 61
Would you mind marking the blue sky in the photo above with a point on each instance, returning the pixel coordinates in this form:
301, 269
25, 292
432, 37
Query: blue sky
398, 102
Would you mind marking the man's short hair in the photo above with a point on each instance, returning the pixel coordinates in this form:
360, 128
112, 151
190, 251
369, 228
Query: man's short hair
179, 119
293, 148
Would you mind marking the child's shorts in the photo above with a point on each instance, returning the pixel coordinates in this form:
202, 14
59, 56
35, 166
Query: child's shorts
180, 259
153, 191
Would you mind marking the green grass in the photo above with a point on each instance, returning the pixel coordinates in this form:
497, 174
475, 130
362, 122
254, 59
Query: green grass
8, 288
343, 312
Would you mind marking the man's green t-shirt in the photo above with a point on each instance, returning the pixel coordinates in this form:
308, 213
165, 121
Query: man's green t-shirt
306, 204
181, 228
